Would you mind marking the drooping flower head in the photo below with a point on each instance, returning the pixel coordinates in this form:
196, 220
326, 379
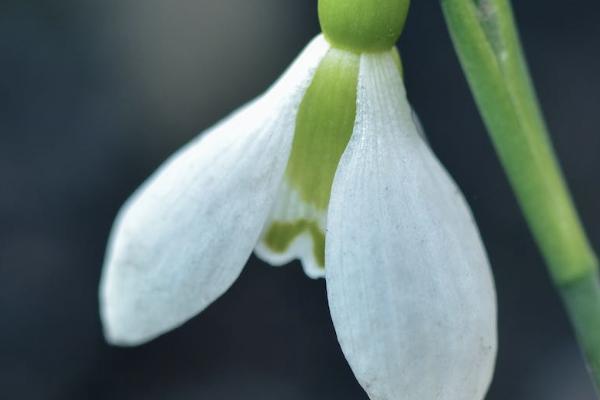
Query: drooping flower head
329, 167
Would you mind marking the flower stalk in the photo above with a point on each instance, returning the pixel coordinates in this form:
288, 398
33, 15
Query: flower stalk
487, 42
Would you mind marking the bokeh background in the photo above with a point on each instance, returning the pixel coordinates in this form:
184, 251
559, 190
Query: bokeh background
95, 94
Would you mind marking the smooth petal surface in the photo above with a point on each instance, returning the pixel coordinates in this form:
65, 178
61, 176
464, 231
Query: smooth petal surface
185, 235
409, 285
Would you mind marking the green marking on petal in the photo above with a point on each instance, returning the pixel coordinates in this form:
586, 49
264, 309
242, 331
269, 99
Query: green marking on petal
323, 127
324, 124
280, 235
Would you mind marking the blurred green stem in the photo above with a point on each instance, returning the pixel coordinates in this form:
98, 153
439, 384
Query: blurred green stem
488, 46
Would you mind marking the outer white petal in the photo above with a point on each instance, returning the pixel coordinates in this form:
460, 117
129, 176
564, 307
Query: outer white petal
409, 285
183, 238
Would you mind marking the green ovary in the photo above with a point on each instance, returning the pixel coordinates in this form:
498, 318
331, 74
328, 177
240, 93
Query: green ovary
323, 128
363, 25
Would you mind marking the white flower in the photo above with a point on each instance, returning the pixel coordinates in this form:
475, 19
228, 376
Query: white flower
408, 281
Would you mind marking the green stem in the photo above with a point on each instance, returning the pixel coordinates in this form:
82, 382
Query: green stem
488, 46
582, 301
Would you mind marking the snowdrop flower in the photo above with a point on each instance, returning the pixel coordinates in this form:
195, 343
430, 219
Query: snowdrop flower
327, 167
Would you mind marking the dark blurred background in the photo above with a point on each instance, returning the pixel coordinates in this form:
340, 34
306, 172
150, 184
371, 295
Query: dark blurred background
95, 94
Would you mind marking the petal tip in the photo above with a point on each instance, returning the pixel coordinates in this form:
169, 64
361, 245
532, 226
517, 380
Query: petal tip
124, 326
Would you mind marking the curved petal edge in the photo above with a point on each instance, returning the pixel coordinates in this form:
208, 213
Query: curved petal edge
408, 280
183, 238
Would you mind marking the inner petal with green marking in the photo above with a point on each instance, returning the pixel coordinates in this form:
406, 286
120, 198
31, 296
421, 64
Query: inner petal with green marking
323, 128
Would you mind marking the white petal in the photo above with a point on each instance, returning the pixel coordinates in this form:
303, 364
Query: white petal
419, 126
185, 235
409, 285
288, 209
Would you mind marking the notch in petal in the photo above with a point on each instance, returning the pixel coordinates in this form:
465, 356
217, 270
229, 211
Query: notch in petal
294, 230
183, 238
409, 285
